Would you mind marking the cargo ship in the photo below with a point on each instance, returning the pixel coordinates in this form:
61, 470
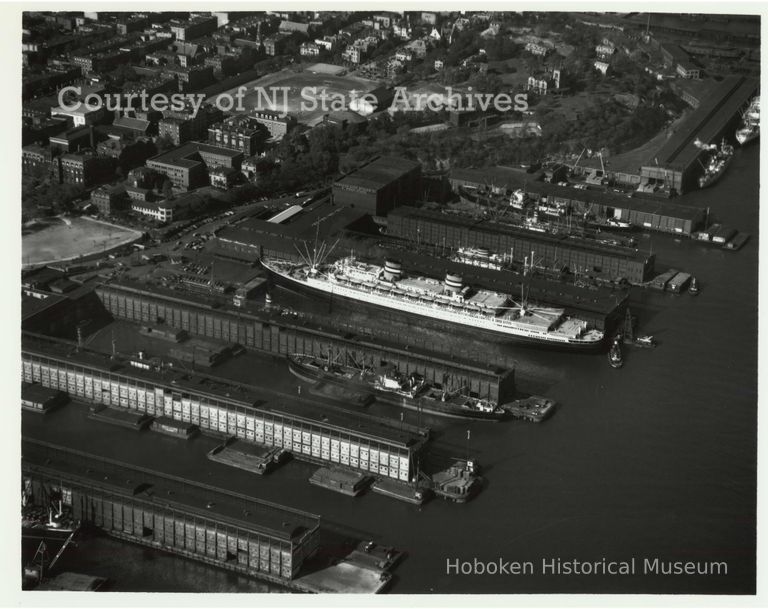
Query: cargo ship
449, 300
750, 128
395, 388
717, 165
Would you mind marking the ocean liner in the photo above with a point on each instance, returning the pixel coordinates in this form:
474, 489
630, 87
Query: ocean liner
449, 300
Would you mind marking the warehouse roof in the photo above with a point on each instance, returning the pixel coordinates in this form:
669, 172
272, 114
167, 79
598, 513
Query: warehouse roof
716, 109
513, 179
239, 394
499, 228
379, 172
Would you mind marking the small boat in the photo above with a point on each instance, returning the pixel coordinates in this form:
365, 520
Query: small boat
694, 287
645, 341
615, 356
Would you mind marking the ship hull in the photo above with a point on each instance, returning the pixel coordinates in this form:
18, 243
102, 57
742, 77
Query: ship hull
426, 405
495, 333
745, 139
708, 180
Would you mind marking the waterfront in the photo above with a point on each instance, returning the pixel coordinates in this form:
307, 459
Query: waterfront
657, 459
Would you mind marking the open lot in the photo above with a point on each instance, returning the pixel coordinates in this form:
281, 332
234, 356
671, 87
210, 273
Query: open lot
282, 92
59, 239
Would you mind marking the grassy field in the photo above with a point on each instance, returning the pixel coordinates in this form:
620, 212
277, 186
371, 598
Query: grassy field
57, 239
291, 101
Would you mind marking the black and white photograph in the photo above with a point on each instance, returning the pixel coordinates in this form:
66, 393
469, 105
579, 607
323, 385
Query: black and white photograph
409, 301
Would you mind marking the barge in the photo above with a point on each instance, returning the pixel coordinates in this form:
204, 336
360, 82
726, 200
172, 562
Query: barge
255, 459
534, 408
172, 427
400, 490
340, 480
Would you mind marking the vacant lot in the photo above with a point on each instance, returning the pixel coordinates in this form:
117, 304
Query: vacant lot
59, 239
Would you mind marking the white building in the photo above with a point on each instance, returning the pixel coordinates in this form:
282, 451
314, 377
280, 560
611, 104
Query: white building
309, 49
81, 116
537, 49
161, 211
601, 66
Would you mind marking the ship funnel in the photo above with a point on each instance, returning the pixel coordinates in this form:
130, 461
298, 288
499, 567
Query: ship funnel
453, 283
393, 270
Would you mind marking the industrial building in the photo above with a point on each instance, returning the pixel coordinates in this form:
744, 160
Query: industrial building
199, 521
286, 234
676, 165
652, 214
270, 332
552, 251
222, 407
379, 186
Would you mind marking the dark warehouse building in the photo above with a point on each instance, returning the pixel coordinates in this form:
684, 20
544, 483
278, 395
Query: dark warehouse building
422, 226
379, 186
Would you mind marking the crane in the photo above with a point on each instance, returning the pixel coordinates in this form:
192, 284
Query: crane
573, 168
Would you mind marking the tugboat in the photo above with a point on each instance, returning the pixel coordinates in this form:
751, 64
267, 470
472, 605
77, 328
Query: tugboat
458, 483
645, 341
615, 356
717, 165
694, 287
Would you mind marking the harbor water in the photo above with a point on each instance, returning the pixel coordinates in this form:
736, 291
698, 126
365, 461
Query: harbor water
656, 460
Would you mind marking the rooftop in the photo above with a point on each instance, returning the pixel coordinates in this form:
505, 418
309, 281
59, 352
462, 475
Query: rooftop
180, 155
379, 172
236, 392
716, 109
154, 485
514, 179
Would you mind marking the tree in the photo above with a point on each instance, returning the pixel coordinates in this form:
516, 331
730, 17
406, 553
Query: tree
164, 142
168, 190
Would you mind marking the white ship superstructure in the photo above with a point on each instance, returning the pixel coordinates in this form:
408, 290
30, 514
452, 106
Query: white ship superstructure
750, 128
449, 300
